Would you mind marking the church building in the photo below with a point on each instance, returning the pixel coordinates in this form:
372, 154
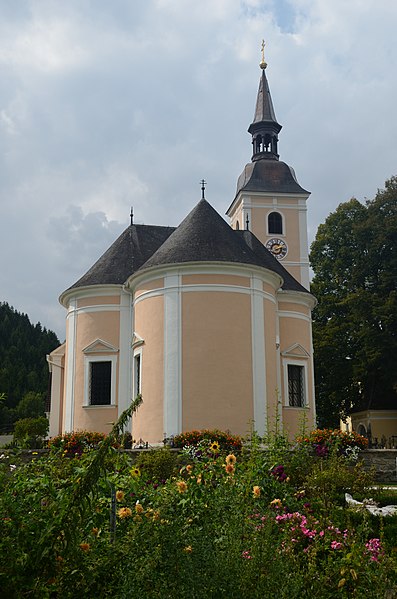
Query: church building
209, 321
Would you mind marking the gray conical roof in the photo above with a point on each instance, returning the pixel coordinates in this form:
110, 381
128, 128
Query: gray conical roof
134, 246
203, 236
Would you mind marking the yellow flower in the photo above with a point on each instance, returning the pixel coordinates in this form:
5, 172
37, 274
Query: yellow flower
276, 503
229, 468
119, 495
188, 549
124, 512
182, 486
137, 518
135, 472
199, 479
85, 546
214, 446
230, 459
189, 468
95, 531
256, 491
139, 508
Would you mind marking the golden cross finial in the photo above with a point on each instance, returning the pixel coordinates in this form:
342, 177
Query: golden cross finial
263, 63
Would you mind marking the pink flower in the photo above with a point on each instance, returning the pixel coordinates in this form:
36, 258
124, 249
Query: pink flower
374, 548
336, 545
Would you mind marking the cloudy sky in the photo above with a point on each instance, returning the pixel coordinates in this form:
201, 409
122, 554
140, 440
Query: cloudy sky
107, 104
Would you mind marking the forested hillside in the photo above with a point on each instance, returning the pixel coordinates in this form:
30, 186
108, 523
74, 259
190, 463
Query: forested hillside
23, 366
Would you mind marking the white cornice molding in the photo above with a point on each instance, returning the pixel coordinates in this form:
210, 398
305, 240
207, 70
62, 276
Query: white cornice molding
297, 297
88, 291
247, 195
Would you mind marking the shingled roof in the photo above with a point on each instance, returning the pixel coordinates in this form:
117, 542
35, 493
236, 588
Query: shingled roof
203, 236
272, 176
134, 246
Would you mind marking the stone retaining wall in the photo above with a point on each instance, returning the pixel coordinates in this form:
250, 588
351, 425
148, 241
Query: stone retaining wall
384, 461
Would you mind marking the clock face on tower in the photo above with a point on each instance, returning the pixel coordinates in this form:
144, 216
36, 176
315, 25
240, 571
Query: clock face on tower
277, 247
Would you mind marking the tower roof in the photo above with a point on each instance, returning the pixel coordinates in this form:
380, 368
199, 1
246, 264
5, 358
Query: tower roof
265, 172
272, 176
264, 110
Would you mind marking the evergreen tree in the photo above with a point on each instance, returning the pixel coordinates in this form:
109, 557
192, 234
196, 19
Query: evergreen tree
23, 367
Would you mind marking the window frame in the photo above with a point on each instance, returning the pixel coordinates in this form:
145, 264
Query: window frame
88, 360
137, 381
303, 366
269, 232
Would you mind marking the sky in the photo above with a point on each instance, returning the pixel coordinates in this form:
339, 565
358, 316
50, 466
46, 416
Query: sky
106, 105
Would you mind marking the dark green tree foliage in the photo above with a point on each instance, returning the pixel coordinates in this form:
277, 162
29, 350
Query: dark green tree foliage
354, 258
23, 367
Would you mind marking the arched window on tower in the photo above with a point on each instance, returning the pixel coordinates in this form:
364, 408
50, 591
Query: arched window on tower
237, 225
275, 223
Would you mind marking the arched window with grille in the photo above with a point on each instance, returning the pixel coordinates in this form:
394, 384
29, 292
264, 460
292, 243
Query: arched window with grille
275, 223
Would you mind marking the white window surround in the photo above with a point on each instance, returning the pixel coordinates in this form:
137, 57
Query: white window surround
292, 362
88, 359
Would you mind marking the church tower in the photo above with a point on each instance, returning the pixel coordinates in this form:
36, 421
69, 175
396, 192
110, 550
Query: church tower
269, 200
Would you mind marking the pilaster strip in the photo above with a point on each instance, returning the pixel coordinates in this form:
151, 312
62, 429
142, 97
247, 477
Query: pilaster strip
258, 356
172, 356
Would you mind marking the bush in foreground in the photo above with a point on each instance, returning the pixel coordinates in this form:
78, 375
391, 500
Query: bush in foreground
223, 524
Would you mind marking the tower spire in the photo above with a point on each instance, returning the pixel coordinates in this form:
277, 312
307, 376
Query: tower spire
264, 128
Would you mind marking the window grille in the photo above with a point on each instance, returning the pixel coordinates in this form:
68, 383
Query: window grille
296, 395
100, 383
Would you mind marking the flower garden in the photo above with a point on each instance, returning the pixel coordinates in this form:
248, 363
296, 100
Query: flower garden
217, 518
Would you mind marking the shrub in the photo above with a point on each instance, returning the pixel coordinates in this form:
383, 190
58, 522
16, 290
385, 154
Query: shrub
75, 443
323, 440
30, 432
157, 464
226, 441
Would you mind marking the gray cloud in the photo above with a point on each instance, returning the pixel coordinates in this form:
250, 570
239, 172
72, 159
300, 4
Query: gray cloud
107, 105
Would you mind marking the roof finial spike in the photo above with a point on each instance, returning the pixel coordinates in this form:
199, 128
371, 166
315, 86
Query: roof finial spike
263, 63
132, 216
203, 184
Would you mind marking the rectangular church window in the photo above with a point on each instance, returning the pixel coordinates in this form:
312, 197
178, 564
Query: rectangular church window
100, 383
137, 374
296, 387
